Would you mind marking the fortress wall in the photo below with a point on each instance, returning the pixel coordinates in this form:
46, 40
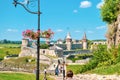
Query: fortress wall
76, 52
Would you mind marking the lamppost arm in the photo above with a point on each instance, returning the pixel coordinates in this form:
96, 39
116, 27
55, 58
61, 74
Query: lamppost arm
15, 3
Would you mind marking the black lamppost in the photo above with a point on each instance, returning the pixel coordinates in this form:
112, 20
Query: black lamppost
38, 39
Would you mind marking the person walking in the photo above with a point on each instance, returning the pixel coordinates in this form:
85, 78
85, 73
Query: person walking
57, 70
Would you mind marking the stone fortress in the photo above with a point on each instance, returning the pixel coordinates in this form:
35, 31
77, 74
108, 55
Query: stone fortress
71, 44
60, 48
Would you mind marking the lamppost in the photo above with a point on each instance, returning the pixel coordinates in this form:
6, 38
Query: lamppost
38, 39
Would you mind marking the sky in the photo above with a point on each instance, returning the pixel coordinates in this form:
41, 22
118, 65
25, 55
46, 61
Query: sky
61, 16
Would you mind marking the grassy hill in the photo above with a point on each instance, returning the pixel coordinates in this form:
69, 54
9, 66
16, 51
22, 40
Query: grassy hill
20, 76
9, 49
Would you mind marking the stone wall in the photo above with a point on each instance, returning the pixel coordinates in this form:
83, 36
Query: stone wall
73, 46
76, 52
47, 52
76, 46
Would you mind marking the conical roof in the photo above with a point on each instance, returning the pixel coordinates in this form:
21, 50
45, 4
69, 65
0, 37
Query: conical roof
84, 36
68, 36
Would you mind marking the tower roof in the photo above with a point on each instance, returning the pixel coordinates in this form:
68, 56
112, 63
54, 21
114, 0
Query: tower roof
68, 36
84, 36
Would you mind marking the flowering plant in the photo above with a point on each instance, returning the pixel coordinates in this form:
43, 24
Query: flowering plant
34, 35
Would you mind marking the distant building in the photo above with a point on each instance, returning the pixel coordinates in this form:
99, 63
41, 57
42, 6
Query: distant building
84, 41
72, 44
99, 42
58, 49
59, 41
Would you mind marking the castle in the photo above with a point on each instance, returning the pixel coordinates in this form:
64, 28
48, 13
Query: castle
58, 49
71, 44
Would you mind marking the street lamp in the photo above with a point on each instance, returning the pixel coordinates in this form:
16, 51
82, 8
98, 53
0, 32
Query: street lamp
38, 39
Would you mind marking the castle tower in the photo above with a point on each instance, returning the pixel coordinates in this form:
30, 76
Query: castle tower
68, 41
84, 41
25, 43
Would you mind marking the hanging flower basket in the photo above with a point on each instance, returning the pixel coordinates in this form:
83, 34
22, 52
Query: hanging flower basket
34, 35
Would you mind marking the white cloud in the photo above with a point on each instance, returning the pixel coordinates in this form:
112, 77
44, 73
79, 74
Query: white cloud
59, 30
12, 30
85, 4
90, 32
75, 11
77, 31
101, 27
100, 4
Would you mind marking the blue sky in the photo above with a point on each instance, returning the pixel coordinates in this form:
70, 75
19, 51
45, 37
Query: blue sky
62, 16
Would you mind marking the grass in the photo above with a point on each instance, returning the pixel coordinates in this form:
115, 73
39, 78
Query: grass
103, 70
74, 68
20, 76
113, 69
9, 45
8, 51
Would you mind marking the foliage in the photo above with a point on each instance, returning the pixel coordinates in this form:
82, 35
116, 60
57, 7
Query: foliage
79, 57
8, 51
5, 41
115, 54
20, 76
110, 10
74, 68
89, 43
9, 45
91, 65
104, 61
112, 69
34, 35
99, 55
102, 58
44, 46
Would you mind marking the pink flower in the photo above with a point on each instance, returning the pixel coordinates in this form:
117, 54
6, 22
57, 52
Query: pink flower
34, 35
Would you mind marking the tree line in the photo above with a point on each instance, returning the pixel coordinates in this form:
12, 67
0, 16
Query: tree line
5, 41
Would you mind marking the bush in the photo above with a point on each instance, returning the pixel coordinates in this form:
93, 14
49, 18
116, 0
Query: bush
117, 56
79, 57
100, 55
105, 63
44, 46
91, 65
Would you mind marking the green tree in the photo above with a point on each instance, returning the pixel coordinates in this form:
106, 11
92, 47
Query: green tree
44, 46
109, 13
89, 43
110, 10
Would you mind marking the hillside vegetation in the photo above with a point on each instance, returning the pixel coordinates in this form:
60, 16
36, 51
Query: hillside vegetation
9, 50
103, 62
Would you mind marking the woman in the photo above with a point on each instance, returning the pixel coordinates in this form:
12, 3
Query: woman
57, 70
